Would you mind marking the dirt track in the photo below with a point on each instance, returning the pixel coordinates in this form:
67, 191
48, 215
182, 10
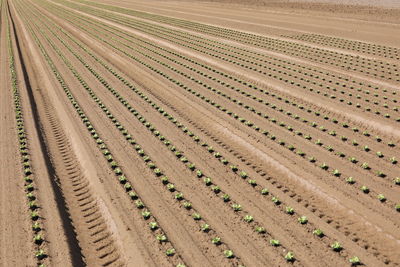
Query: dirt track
131, 126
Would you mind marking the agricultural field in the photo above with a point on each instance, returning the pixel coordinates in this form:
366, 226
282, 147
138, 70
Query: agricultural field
193, 133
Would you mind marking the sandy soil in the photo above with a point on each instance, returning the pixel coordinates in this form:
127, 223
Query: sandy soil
299, 3
135, 109
382, 10
374, 3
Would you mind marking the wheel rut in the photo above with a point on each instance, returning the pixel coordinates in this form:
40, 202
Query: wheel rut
92, 229
71, 182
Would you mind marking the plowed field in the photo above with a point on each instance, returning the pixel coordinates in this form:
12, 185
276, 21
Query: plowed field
149, 133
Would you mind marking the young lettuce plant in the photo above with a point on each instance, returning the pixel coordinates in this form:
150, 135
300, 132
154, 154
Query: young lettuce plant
276, 201
196, 216
170, 252
260, 230
34, 215
393, 160
205, 227
178, 196
353, 160
243, 174
40, 254
152, 165
133, 195
32, 205
207, 181
365, 166
248, 218
36, 227
252, 182
157, 172
171, 187
289, 257
264, 191
302, 220
355, 261
365, 189
236, 207
397, 207
324, 166
164, 180
228, 254
274, 242
187, 205
162, 238
38, 239
153, 226
122, 179
128, 187
318, 232
380, 174
30, 187
289, 210
336, 246
29, 180
216, 189
381, 198
139, 204
216, 240
146, 214
226, 198
224, 161
192, 167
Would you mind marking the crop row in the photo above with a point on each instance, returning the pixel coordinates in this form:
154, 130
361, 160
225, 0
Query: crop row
243, 175
357, 46
363, 65
366, 66
26, 164
335, 172
246, 54
244, 121
178, 196
270, 93
282, 124
157, 231
280, 75
313, 76
343, 138
324, 166
204, 145
303, 220
171, 187
271, 106
235, 169
198, 172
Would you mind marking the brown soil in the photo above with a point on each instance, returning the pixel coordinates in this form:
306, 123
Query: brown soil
382, 10
180, 87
